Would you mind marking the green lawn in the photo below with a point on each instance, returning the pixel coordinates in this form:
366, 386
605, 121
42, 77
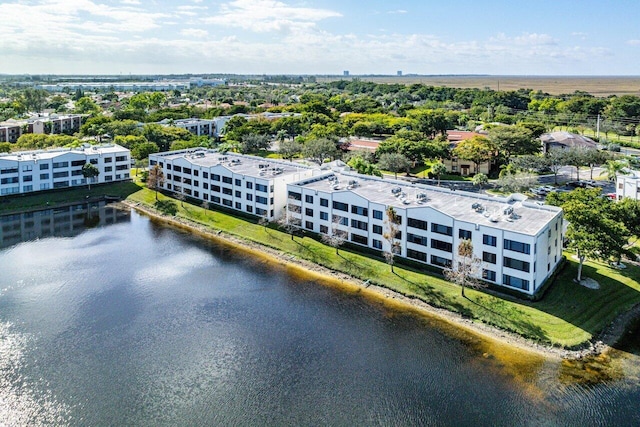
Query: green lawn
569, 315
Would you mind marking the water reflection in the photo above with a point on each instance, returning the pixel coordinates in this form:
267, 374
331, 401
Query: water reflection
65, 221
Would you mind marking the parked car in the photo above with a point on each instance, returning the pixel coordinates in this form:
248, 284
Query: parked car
577, 184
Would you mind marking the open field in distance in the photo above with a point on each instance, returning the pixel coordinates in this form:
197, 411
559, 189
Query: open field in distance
597, 85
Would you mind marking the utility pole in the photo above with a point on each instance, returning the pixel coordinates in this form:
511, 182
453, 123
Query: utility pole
598, 127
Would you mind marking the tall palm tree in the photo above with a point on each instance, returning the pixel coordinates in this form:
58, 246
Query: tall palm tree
612, 168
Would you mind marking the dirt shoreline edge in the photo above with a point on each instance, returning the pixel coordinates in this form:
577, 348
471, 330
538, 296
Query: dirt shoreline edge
600, 344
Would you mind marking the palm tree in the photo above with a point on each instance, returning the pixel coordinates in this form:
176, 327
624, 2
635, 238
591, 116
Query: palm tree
613, 168
438, 169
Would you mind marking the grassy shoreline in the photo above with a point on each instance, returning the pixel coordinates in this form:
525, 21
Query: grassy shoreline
569, 316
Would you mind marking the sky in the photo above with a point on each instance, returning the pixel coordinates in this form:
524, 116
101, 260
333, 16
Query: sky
532, 37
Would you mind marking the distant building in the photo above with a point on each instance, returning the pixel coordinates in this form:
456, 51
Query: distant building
564, 140
162, 85
345, 73
628, 185
29, 171
399, 73
11, 130
457, 165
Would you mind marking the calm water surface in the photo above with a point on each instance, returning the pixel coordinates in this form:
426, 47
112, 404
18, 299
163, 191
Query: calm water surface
115, 320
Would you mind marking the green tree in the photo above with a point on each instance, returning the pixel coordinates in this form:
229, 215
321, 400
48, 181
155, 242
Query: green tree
5, 147
613, 168
514, 141
155, 180
595, 230
86, 105
363, 166
289, 149
319, 149
392, 230
142, 150
89, 172
438, 169
477, 149
480, 179
394, 162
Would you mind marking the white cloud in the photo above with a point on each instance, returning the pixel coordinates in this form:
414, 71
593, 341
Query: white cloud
194, 32
268, 15
634, 42
397, 12
134, 2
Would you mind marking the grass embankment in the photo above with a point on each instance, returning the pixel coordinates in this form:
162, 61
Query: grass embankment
569, 315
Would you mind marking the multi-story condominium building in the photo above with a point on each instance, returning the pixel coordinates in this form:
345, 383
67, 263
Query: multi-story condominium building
628, 185
519, 242
28, 171
247, 184
193, 125
10, 131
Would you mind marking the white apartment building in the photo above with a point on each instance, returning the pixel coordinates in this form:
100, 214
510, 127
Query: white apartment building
519, 242
628, 185
11, 130
248, 184
28, 171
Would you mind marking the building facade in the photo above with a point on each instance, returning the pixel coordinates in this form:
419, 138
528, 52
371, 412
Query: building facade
247, 184
10, 132
628, 185
29, 171
519, 242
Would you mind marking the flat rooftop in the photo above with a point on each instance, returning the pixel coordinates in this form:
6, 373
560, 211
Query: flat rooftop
257, 167
50, 154
513, 213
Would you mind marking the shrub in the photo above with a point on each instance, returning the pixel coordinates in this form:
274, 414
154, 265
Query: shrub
167, 207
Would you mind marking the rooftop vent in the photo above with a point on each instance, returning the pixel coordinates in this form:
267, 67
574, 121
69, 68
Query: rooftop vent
508, 211
396, 190
477, 207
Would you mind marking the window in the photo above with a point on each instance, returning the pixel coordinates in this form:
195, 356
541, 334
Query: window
308, 212
60, 174
205, 175
417, 223
360, 225
324, 229
27, 178
215, 188
44, 176
93, 161
249, 209
441, 229
489, 240
186, 171
76, 173
58, 165
262, 200
27, 188
489, 257
238, 194
261, 188
418, 240
227, 179
226, 202
516, 264
249, 185
377, 244
215, 177
121, 158
442, 262
261, 212
78, 163
205, 185
464, 234
250, 197
308, 198
377, 229
324, 202
195, 172
377, 214
340, 220
44, 166
359, 210
324, 216
27, 168
122, 167
341, 206
489, 275
110, 168
295, 196
227, 191
441, 246
215, 199
512, 245
420, 256
10, 180
308, 225
177, 168
238, 182
238, 205
362, 240
515, 282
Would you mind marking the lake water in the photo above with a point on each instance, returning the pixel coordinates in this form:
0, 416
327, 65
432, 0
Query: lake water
107, 318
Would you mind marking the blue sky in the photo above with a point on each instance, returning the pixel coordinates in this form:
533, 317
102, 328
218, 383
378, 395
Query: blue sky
561, 37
